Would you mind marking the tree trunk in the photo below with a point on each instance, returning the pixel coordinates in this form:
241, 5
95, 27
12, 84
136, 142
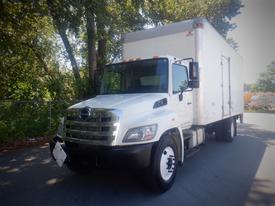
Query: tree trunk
101, 58
63, 35
70, 53
73, 61
91, 42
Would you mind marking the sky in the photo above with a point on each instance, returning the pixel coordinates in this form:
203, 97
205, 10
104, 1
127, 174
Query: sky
255, 35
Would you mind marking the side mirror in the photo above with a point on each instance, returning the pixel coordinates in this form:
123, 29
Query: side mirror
194, 70
194, 84
194, 75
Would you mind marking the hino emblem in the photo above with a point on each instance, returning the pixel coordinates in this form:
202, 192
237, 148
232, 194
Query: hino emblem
85, 113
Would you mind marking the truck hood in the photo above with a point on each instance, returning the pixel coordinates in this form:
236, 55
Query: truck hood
122, 102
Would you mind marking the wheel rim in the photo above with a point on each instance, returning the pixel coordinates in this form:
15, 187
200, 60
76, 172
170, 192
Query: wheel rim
232, 129
167, 163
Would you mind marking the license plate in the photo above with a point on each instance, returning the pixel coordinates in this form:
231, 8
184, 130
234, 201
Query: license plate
59, 154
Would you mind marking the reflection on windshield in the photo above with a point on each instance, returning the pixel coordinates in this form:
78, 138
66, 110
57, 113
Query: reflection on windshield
145, 76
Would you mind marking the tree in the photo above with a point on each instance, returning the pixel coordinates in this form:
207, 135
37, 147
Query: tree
217, 12
23, 51
67, 17
104, 22
90, 31
266, 82
28, 47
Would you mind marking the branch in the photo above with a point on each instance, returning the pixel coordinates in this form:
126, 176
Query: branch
39, 57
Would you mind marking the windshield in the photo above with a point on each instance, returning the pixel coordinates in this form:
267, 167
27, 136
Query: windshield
144, 76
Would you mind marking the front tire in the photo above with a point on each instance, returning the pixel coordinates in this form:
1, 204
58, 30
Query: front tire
164, 165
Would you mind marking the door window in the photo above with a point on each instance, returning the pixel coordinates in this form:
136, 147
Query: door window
179, 78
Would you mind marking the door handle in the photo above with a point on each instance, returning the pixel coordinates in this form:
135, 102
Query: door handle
188, 103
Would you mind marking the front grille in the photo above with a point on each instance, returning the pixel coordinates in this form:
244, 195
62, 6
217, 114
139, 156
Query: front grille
85, 137
90, 125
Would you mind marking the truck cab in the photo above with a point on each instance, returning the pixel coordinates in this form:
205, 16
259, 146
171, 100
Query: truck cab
137, 119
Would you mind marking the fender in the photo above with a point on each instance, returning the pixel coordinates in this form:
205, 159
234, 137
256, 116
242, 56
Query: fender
167, 123
179, 141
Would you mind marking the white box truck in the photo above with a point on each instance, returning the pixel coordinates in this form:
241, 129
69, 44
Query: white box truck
175, 83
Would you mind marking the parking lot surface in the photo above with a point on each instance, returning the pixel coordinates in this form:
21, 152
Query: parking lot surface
237, 173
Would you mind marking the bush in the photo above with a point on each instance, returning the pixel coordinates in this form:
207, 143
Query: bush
29, 119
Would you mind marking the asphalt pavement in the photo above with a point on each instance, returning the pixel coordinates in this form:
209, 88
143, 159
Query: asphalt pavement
237, 173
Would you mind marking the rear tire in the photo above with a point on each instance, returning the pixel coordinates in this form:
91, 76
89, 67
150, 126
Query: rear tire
235, 126
226, 130
230, 129
164, 164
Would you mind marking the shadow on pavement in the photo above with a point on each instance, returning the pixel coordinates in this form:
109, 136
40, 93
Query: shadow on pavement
261, 193
220, 174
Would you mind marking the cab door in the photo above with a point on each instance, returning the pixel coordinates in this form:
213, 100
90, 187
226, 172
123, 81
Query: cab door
182, 101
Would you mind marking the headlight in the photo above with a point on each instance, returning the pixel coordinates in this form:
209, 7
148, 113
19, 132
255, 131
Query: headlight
139, 134
60, 128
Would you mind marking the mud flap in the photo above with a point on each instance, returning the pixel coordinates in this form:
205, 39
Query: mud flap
59, 154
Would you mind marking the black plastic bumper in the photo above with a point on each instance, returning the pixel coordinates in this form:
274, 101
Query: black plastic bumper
137, 156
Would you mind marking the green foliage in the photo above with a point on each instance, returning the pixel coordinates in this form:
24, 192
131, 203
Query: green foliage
232, 43
115, 17
125, 16
29, 70
266, 82
60, 86
218, 12
31, 36
29, 66
21, 119
112, 81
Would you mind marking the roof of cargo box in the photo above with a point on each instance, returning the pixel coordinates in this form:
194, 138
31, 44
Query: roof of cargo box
162, 30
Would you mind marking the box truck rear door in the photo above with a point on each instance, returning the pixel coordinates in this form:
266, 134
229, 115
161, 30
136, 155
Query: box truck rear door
225, 67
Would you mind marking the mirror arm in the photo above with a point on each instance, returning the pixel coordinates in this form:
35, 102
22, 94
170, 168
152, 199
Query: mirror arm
185, 59
181, 96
